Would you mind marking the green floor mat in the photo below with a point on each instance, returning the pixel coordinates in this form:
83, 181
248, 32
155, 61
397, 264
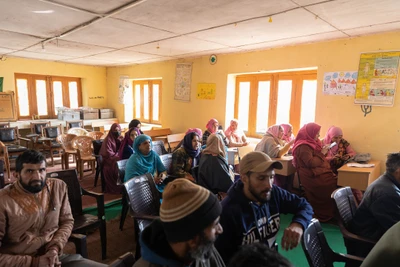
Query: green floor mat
112, 210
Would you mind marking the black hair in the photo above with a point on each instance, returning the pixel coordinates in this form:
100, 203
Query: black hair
258, 255
134, 123
392, 162
29, 156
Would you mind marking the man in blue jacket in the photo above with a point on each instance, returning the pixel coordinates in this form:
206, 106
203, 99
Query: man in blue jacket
251, 211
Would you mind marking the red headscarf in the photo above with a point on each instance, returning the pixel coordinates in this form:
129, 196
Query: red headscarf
210, 124
332, 132
306, 136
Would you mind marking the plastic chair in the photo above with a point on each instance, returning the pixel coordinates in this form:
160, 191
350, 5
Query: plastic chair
78, 131
121, 165
5, 124
11, 139
84, 147
83, 223
96, 135
318, 252
144, 200
346, 207
36, 133
65, 140
74, 124
159, 148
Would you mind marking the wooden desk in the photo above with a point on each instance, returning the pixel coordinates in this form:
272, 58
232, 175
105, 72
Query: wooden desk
232, 153
288, 168
359, 178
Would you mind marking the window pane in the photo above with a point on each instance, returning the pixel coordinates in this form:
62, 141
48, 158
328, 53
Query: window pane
156, 101
73, 94
137, 101
262, 106
146, 101
284, 97
41, 97
243, 111
23, 98
58, 97
308, 102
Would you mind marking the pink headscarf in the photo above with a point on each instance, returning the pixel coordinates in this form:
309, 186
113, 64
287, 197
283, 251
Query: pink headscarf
286, 128
306, 136
196, 130
274, 131
236, 134
210, 125
331, 133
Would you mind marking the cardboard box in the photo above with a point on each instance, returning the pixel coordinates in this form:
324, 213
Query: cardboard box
89, 114
106, 113
68, 115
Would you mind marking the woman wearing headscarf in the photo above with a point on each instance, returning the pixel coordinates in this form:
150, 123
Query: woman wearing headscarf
212, 128
339, 153
136, 124
126, 148
236, 137
214, 172
109, 153
288, 135
198, 131
314, 170
186, 157
271, 144
145, 160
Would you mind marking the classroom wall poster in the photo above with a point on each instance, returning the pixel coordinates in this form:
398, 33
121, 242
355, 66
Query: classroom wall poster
206, 90
123, 88
183, 80
340, 83
377, 79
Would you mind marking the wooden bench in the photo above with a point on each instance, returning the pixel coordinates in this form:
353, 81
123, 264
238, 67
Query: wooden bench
158, 132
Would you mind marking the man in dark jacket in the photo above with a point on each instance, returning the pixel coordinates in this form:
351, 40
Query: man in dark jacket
380, 207
252, 208
186, 231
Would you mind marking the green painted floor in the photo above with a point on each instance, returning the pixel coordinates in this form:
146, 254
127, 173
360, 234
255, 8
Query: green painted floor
296, 256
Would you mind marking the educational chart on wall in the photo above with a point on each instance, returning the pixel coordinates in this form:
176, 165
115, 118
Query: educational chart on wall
183, 79
206, 90
377, 78
340, 83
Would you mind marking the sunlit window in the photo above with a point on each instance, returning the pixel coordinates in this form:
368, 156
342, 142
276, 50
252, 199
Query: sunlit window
284, 100
146, 103
244, 97
147, 100
137, 100
58, 97
41, 97
156, 101
23, 97
308, 102
262, 106
73, 94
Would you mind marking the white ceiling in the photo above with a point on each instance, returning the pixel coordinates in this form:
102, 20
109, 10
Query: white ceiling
123, 32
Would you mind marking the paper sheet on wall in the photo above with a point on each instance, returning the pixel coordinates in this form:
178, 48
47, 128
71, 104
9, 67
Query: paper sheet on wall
123, 89
340, 83
206, 90
377, 79
183, 79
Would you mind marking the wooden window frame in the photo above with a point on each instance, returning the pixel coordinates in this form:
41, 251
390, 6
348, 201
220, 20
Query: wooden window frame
31, 84
297, 79
150, 84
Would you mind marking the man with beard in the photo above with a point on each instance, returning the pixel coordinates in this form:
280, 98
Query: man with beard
251, 211
35, 218
186, 231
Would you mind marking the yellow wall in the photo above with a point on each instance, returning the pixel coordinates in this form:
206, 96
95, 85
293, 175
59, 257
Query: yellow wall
94, 92
377, 133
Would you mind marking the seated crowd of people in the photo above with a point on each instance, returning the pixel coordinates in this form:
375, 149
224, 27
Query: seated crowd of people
209, 215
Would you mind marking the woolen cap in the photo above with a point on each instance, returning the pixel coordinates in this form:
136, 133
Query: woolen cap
187, 209
257, 161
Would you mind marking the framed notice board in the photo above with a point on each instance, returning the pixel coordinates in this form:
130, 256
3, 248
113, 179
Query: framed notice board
8, 110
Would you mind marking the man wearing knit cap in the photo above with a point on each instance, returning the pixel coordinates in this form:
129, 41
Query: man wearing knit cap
186, 231
251, 211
